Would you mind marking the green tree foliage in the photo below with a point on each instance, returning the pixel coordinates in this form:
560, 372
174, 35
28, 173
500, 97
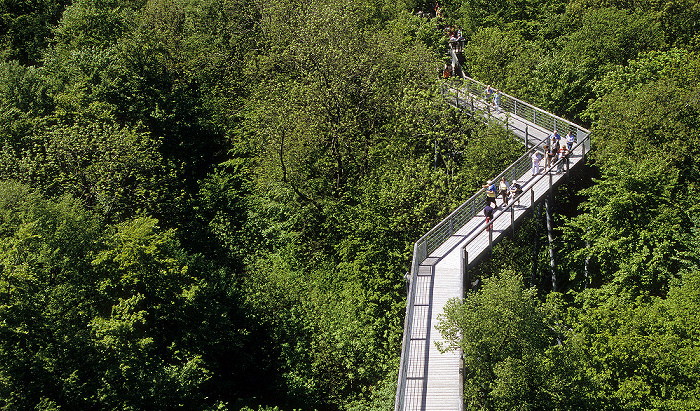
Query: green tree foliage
144, 283
211, 204
640, 354
499, 57
111, 170
636, 220
503, 333
87, 315
25, 28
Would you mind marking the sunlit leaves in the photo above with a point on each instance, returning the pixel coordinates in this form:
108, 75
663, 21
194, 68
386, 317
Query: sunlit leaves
503, 333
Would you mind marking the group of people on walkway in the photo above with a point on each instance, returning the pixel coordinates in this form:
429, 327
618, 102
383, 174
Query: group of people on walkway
493, 97
554, 153
455, 37
505, 190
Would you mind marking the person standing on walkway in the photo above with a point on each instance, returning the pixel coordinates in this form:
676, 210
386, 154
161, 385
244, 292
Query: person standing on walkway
554, 153
536, 158
563, 159
497, 101
490, 193
570, 140
488, 213
515, 190
503, 190
547, 156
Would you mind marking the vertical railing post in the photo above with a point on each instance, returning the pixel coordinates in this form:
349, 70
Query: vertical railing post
466, 282
527, 137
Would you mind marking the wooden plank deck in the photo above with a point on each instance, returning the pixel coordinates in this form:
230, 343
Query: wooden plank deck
433, 379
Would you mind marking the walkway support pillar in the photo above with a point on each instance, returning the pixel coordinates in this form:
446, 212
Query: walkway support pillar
550, 236
536, 244
466, 281
527, 135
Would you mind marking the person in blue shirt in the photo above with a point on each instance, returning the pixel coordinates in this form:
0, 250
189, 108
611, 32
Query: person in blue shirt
554, 137
490, 193
489, 94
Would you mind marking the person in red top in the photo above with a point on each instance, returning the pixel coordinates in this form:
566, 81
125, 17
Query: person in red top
563, 158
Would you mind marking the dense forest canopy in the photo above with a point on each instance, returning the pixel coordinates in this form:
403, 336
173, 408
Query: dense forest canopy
212, 204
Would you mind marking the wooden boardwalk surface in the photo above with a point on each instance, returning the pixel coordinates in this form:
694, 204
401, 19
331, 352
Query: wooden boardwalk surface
433, 380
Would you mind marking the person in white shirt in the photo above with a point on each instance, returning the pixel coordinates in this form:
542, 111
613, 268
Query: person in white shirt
570, 140
536, 158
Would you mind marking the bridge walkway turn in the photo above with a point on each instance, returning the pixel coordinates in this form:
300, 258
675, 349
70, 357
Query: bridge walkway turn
430, 380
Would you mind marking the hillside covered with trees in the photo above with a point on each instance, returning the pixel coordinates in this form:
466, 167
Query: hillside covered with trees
212, 204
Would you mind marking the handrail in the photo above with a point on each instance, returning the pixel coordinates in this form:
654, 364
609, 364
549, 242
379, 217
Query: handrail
527, 111
430, 241
436, 236
530, 188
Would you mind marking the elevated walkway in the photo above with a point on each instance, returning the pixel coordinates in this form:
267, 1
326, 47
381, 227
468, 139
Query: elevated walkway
429, 380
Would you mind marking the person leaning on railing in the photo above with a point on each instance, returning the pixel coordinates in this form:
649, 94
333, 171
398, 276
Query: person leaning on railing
536, 159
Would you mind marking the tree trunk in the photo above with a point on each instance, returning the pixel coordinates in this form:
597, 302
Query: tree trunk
536, 244
550, 236
586, 266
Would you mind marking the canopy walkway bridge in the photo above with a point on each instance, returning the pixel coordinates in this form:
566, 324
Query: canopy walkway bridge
430, 380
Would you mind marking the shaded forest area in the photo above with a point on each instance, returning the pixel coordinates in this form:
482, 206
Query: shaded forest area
212, 204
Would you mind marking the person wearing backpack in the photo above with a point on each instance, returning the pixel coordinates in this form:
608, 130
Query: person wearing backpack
490, 193
515, 190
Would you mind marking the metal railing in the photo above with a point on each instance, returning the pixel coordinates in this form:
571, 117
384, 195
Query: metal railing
579, 148
525, 111
475, 204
